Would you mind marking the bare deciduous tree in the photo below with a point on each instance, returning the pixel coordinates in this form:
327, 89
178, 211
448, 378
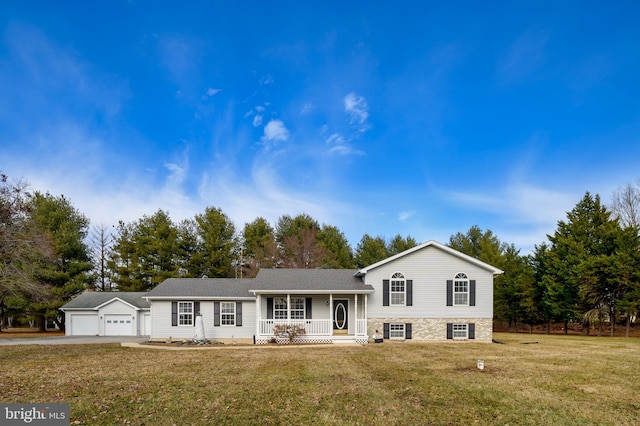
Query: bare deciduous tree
22, 247
625, 204
100, 243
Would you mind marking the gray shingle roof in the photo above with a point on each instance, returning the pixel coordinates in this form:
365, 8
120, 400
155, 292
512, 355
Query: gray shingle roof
93, 299
202, 287
267, 281
309, 280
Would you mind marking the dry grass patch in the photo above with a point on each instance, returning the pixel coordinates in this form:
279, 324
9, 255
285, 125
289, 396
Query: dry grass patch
28, 333
560, 380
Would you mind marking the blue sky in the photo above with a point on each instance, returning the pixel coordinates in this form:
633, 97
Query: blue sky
413, 118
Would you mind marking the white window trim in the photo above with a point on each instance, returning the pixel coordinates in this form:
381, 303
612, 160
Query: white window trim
400, 326
398, 277
284, 312
182, 313
299, 311
462, 331
279, 312
461, 277
230, 314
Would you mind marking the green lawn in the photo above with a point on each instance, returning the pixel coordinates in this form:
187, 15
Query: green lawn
559, 380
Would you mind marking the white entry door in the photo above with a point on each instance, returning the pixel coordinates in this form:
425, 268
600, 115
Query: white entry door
118, 325
147, 324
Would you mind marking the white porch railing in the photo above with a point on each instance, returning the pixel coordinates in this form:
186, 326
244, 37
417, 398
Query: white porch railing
317, 327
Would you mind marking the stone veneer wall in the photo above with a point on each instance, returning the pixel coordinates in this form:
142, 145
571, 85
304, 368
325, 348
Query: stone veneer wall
434, 329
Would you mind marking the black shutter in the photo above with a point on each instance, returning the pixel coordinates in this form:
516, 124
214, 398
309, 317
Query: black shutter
449, 330
385, 292
385, 330
407, 330
471, 328
472, 293
174, 314
238, 314
449, 292
269, 307
409, 292
307, 308
216, 314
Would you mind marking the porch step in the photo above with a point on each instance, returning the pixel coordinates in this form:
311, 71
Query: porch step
340, 341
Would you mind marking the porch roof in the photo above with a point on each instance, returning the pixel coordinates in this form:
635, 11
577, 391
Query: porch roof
311, 281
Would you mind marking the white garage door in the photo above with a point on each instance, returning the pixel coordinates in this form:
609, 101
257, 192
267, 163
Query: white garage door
118, 325
84, 325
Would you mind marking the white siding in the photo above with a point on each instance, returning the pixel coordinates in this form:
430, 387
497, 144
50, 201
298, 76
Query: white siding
430, 268
161, 328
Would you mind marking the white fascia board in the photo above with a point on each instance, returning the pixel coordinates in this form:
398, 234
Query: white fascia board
302, 291
118, 299
78, 309
197, 298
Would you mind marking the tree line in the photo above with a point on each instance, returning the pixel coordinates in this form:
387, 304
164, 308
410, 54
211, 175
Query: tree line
587, 271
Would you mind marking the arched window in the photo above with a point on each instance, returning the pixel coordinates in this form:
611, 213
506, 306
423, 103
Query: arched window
461, 289
398, 289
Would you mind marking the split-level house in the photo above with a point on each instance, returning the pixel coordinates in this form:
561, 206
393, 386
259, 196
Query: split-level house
429, 292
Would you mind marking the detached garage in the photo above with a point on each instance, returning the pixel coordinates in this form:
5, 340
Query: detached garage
107, 314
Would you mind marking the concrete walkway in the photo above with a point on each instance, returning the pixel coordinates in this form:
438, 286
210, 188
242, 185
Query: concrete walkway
141, 345
71, 340
138, 342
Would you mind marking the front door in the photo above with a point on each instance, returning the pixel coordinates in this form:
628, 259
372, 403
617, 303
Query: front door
340, 317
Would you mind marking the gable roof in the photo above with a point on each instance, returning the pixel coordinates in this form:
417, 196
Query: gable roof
309, 281
95, 299
439, 246
202, 288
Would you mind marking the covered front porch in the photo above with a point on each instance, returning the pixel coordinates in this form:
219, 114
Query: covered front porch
311, 318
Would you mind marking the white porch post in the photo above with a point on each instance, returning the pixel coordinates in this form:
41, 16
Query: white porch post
258, 313
330, 313
366, 318
288, 308
355, 323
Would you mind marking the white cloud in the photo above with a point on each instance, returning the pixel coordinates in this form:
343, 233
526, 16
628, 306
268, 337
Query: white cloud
275, 131
261, 191
340, 145
525, 56
335, 138
357, 109
212, 92
257, 120
402, 216
526, 213
266, 80
307, 108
